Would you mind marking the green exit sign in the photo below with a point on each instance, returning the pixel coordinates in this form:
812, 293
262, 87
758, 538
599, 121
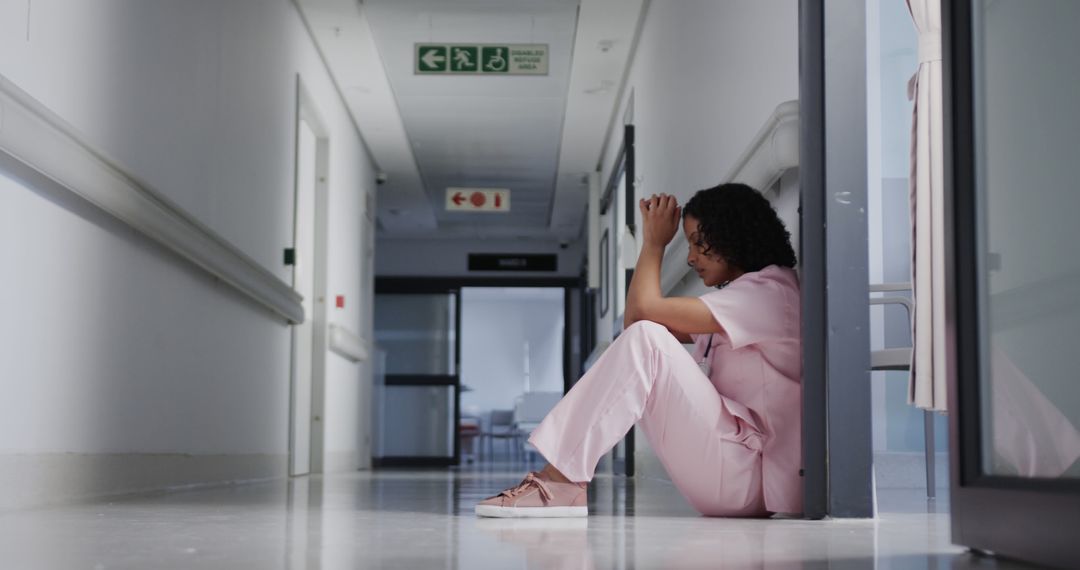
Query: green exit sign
481, 59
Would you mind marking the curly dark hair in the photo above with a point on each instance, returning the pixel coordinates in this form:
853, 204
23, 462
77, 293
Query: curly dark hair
738, 224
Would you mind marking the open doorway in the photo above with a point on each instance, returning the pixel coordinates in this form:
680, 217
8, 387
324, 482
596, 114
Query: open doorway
512, 369
447, 341
909, 445
307, 257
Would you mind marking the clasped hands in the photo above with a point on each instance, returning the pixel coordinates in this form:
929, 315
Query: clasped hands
660, 215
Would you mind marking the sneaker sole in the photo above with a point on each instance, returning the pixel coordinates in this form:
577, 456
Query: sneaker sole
493, 511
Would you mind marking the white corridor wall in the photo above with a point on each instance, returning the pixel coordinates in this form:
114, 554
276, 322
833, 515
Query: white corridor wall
703, 79
122, 366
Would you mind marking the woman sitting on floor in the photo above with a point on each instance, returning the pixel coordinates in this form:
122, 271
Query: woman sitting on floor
725, 421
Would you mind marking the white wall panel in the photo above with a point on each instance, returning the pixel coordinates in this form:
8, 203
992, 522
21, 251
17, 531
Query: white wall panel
111, 345
705, 77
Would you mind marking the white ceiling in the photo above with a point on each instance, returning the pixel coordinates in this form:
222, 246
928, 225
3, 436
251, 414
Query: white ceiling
536, 135
480, 131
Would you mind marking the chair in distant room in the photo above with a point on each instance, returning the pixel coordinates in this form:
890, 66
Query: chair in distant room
500, 426
530, 409
469, 431
900, 359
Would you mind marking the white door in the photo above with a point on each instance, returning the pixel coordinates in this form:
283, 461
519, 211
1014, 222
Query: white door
304, 283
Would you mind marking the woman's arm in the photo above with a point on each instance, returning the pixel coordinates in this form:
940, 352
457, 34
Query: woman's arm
644, 301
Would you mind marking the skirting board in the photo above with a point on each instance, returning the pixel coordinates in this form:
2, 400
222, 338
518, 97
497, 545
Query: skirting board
341, 461
34, 136
907, 470
34, 480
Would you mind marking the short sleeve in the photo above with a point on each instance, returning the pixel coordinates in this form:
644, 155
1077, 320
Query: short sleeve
752, 310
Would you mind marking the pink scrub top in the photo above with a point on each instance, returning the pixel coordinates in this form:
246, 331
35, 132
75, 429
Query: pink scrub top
757, 362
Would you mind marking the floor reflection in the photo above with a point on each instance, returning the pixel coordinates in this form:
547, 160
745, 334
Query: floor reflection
561, 544
409, 519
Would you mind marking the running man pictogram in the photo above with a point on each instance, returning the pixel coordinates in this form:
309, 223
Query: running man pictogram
464, 59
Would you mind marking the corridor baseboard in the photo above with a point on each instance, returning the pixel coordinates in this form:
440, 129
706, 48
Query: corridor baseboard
907, 470
341, 461
34, 480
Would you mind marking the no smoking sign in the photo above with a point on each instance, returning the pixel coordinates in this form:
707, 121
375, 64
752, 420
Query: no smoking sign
477, 200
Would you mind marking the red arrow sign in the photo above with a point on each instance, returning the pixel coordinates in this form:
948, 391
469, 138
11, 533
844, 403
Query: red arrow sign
477, 200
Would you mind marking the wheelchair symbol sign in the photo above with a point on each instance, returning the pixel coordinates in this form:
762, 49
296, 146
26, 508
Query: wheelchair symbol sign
495, 59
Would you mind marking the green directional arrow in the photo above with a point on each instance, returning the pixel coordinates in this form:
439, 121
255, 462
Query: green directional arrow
431, 59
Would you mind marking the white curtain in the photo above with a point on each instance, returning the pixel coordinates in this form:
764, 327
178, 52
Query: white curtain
927, 388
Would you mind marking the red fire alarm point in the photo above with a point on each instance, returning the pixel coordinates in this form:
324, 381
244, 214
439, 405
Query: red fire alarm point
339, 301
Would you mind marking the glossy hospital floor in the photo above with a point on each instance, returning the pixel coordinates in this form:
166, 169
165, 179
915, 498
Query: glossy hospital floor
424, 519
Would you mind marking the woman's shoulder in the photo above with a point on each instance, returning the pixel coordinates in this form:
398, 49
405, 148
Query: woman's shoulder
786, 276
772, 287
758, 306
772, 277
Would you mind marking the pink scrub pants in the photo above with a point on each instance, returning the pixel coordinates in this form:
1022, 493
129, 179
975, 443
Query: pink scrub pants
709, 448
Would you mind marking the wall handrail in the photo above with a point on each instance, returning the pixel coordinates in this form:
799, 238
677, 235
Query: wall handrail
347, 343
33, 136
772, 151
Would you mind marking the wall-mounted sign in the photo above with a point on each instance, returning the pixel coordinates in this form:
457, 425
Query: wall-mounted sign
513, 262
477, 200
481, 59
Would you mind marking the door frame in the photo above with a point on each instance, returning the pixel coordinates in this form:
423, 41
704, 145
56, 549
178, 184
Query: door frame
307, 112
837, 436
624, 169
421, 286
454, 285
1030, 519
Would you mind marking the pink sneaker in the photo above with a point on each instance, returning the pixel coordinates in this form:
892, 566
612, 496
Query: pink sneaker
537, 496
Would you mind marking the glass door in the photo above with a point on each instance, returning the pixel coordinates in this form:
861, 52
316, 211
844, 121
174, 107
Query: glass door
419, 402
1011, 93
